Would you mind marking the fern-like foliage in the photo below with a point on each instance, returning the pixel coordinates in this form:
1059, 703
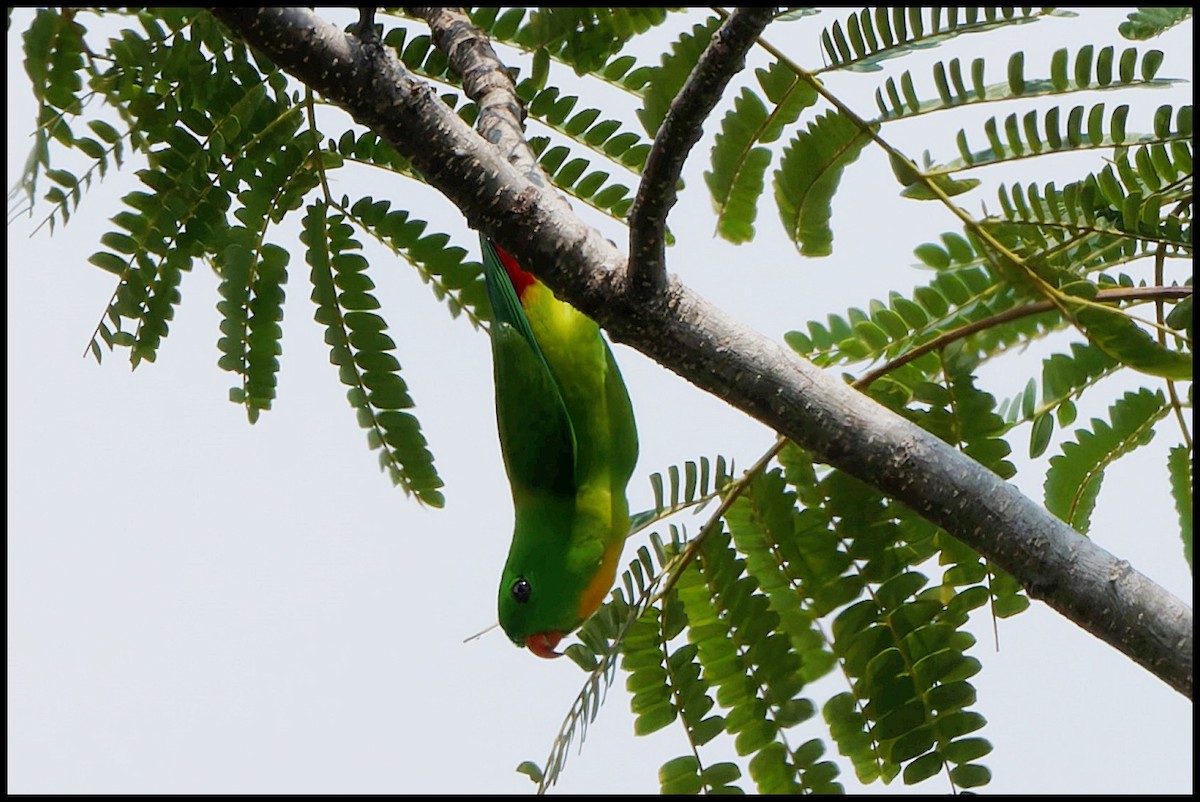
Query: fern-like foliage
1063, 377
456, 283
53, 46
668, 78
795, 575
808, 176
1146, 23
227, 161
694, 487
739, 160
601, 640
585, 38
873, 35
1073, 481
1180, 466
1083, 128
580, 37
956, 86
361, 349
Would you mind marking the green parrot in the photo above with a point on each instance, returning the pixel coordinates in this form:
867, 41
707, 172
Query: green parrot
569, 443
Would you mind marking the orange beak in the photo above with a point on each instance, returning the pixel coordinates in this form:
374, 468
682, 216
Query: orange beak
542, 644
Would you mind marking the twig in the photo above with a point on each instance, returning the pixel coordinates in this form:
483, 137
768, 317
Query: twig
486, 81
732, 494
680, 131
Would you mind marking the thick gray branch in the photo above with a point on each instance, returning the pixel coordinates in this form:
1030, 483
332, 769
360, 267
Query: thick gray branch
680, 131
685, 333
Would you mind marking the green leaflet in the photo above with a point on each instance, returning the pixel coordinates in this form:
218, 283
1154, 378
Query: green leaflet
603, 135
586, 38
748, 605
681, 775
1122, 339
253, 313
1083, 129
871, 36
643, 645
53, 46
592, 32
739, 163
736, 180
762, 523
956, 85
594, 187
1073, 480
1146, 23
700, 482
252, 309
1063, 377
1180, 468
667, 79
808, 176
1080, 210
849, 730
965, 417
361, 351
964, 293
241, 148
456, 283
731, 628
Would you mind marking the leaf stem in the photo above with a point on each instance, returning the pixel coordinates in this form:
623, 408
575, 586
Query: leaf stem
937, 343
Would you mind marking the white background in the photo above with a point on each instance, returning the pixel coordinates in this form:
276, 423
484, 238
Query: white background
198, 605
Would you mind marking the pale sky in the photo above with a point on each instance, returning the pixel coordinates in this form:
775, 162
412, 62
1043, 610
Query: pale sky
197, 605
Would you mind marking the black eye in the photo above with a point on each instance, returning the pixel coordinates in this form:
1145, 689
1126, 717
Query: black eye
521, 590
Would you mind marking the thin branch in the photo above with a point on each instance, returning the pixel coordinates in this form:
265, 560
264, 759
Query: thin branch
316, 132
486, 81
680, 131
732, 493
941, 341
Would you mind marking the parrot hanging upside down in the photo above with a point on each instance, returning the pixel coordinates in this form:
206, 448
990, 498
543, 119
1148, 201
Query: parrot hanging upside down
569, 443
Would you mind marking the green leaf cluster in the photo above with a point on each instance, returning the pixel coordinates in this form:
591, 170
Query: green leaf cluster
802, 572
1146, 23
873, 35
362, 351
585, 38
1073, 481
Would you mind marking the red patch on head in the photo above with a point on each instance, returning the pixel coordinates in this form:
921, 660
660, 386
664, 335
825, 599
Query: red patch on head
520, 278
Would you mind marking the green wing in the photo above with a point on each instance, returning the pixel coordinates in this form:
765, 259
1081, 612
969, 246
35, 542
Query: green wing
623, 430
535, 430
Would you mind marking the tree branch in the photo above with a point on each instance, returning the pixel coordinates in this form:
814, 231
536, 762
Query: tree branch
486, 81
685, 333
680, 131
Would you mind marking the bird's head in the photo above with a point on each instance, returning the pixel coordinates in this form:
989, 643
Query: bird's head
547, 590
538, 607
